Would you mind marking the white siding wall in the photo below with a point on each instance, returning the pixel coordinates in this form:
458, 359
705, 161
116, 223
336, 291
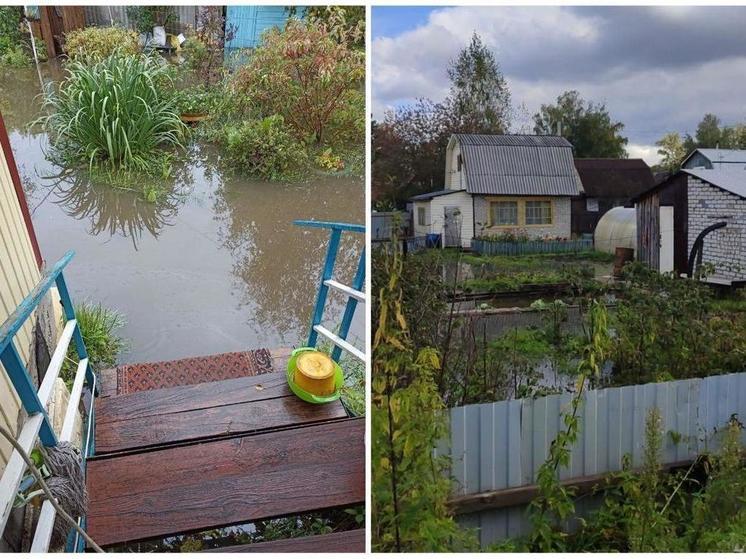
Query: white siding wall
421, 230
19, 274
454, 179
725, 248
437, 212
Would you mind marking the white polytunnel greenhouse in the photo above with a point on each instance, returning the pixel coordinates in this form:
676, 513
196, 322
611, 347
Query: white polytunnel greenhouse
616, 228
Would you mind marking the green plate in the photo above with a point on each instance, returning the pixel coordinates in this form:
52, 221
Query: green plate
339, 380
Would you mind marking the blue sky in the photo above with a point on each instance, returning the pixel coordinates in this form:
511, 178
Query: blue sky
657, 68
389, 21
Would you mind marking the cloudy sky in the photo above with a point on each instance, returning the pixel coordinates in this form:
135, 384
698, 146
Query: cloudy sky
658, 69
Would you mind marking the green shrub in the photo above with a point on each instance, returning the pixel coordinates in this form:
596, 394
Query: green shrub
15, 57
306, 75
198, 100
10, 27
329, 160
98, 326
264, 148
94, 44
115, 113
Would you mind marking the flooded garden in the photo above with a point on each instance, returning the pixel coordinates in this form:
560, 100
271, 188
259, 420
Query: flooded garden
195, 246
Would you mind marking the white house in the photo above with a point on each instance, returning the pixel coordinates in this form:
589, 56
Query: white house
496, 184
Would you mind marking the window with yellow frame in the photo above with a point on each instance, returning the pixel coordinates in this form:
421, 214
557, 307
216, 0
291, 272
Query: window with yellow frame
521, 212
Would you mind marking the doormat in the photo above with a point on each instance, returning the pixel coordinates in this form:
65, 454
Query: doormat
137, 377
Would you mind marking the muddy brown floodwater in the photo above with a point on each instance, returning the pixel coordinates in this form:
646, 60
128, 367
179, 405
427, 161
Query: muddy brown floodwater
215, 265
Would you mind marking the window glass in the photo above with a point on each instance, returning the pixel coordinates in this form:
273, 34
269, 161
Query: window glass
421, 216
538, 212
504, 213
591, 204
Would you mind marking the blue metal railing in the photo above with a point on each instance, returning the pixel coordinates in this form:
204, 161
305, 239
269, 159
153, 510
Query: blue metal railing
27, 392
354, 292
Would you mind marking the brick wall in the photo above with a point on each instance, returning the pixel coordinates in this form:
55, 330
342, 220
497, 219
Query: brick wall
560, 227
724, 248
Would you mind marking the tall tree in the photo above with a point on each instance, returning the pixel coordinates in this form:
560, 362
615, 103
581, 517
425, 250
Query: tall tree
587, 126
672, 151
479, 91
708, 133
409, 148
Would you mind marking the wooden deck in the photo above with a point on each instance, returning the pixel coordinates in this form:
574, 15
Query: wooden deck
196, 457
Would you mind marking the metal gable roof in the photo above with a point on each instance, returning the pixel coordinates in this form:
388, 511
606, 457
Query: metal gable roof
728, 178
519, 165
720, 155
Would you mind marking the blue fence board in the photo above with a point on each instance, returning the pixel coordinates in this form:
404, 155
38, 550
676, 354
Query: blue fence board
508, 248
501, 445
252, 21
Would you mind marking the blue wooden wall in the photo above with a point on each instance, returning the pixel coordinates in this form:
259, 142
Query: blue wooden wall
252, 21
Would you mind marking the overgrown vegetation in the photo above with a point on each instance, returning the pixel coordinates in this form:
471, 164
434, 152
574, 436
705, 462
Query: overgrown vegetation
15, 43
264, 148
99, 327
661, 327
116, 114
306, 78
698, 508
409, 488
94, 44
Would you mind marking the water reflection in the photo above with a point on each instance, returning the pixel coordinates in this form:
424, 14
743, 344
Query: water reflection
114, 211
277, 263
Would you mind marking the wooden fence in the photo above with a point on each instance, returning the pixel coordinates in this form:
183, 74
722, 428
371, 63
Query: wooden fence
497, 448
517, 248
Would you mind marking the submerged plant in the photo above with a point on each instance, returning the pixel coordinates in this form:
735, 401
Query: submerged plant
264, 148
116, 113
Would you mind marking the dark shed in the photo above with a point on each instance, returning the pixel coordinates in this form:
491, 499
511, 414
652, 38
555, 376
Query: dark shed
607, 183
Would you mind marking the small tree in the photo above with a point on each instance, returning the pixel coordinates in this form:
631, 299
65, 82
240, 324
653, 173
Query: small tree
205, 49
672, 151
409, 485
309, 77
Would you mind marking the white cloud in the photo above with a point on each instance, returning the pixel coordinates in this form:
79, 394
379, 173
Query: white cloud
648, 153
545, 51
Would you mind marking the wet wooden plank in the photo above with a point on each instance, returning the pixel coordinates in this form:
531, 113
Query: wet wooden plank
352, 541
149, 403
206, 422
224, 482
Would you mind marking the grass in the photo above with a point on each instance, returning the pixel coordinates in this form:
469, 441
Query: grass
114, 114
353, 391
98, 325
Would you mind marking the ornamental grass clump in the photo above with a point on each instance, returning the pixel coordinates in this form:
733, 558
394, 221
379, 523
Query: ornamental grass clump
117, 114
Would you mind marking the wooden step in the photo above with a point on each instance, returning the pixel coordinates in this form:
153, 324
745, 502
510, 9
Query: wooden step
214, 409
225, 482
352, 541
